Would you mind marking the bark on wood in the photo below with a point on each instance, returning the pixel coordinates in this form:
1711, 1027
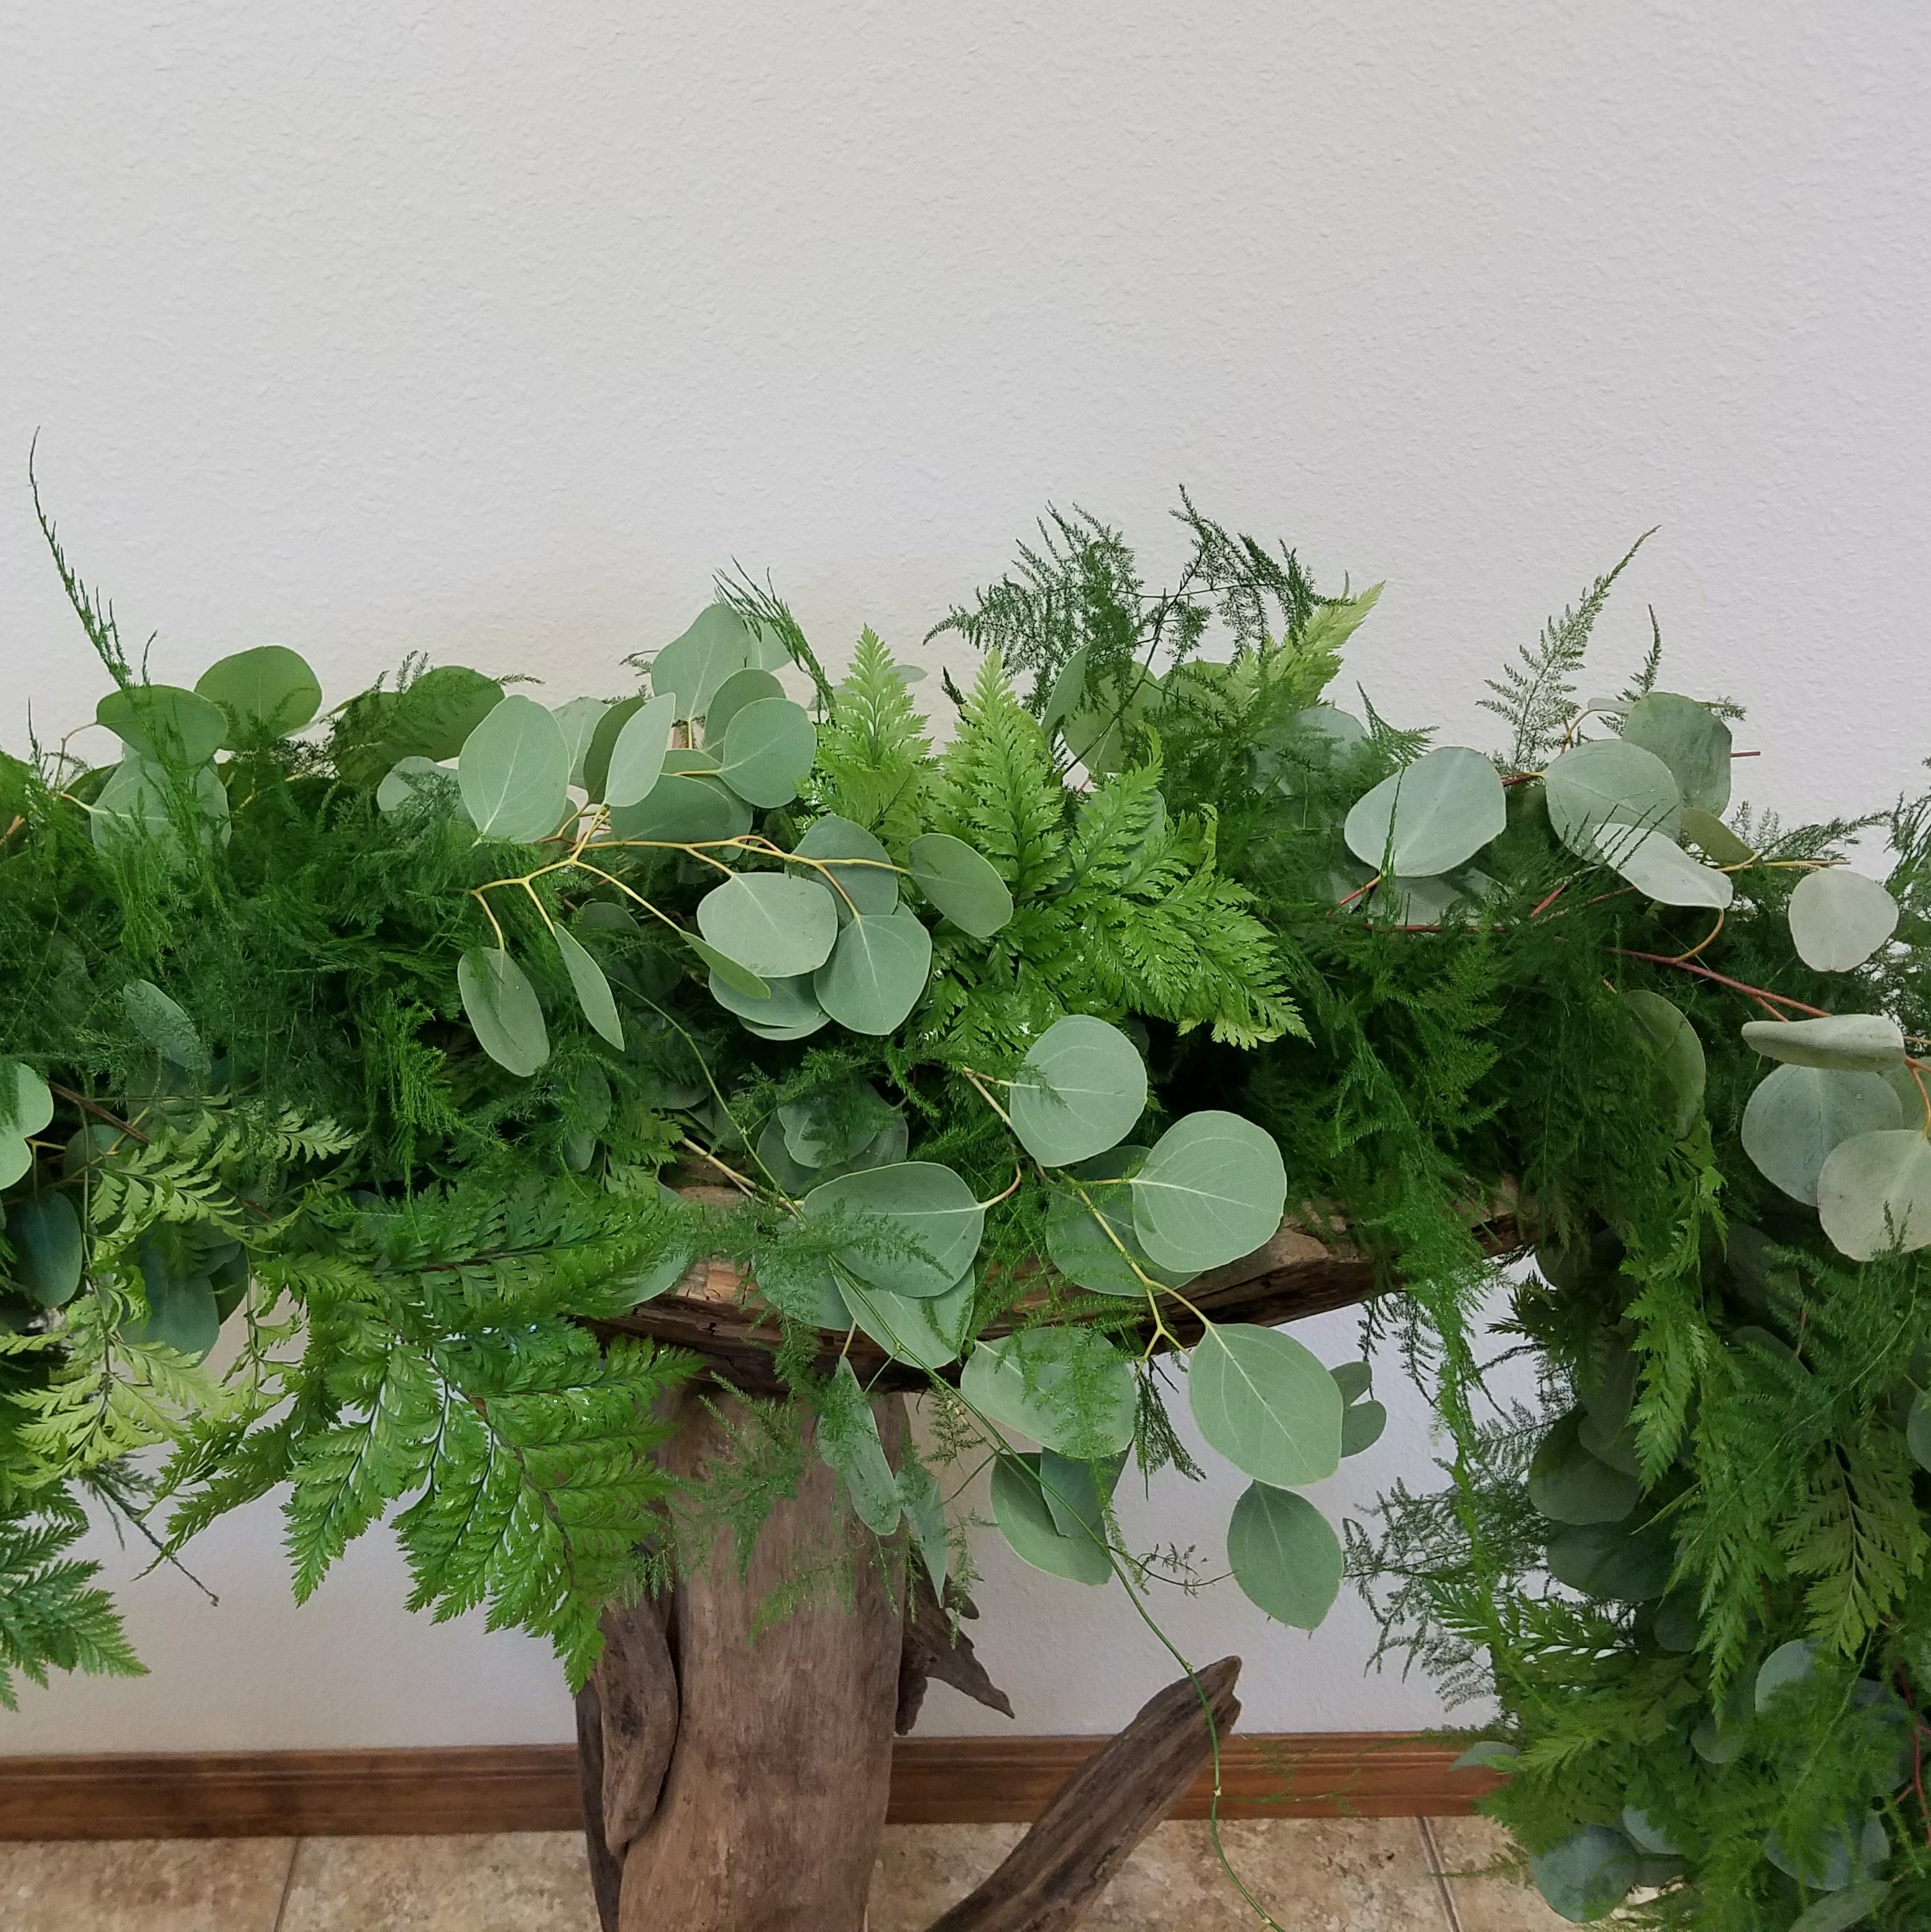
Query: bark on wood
770, 1812
935, 1648
606, 1872
1294, 1275
636, 1684
1054, 1873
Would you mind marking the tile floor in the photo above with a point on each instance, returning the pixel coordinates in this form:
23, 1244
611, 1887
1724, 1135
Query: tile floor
1338, 1875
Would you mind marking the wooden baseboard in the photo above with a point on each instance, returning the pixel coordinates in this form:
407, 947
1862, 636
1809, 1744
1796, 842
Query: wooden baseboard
533, 1787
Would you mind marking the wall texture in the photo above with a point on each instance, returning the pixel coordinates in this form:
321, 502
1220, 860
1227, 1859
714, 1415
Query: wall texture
493, 330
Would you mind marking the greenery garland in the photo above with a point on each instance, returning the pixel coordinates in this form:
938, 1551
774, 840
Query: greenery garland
357, 1045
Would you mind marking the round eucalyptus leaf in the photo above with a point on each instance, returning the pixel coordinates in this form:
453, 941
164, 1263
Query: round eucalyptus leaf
1610, 1560
1660, 869
592, 989
16, 1156
1353, 1379
776, 925
737, 981
960, 883
931, 1225
27, 1099
1596, 789
879, 966
181, 1311
1690, 738
693, 666
1567, 1484
1789, 1663
1211, 1191
1076, 1489
829, 1129
752, 686
848, 1441
931, 1332
1266, 1403
1917, 1429
45, 1231
683, 807
1874, 1193
1645, 1835
1067, 1388
1799, 1116
162, 721
659, 1277
502, 1007
139, 801
792, 1030
164, 1025
1856, 1042
1080, 1089
1489, 1754
856, 867
1588, 1876
1068, 693
514, 772
1853, 1854
1430, 817
1836, 1911
1341, 730
789, 1176
769, 751
1610, 1442
264, 694
1090, 1233
577, 719
1284, 1555
925, 1510
636, 756
1838, 918
1713, 838
1679, 1054
594, 766
1362, 1424
409, 778
1019, 1508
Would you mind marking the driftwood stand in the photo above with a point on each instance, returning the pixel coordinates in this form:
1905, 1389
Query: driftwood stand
741, 1785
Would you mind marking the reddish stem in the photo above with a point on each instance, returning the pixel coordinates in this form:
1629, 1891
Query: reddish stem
1757, 993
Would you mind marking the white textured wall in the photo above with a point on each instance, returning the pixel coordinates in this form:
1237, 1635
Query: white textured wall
494, 328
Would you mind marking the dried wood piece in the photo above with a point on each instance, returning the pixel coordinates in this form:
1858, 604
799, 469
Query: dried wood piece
1052, 1876
770, 1815
1293, 1276
935, 1647
636, 1684
606, 1872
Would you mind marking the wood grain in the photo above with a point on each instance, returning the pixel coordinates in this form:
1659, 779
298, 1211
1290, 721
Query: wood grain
1047, 1880
535, 1788
777, 1788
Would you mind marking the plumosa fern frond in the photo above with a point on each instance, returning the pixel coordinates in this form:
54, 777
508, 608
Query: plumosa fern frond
1535, 698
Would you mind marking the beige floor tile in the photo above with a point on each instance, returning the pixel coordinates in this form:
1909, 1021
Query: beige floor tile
1312, 1875
1488, 1904
510, 1882
144, 1884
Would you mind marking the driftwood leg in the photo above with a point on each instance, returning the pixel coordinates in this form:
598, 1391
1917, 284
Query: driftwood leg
1052, 1876
770, 1811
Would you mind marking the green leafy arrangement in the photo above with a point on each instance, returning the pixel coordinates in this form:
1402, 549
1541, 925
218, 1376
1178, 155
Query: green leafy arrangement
351, 1051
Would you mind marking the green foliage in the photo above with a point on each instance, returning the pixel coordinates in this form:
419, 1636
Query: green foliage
52, 1615
316, 1124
